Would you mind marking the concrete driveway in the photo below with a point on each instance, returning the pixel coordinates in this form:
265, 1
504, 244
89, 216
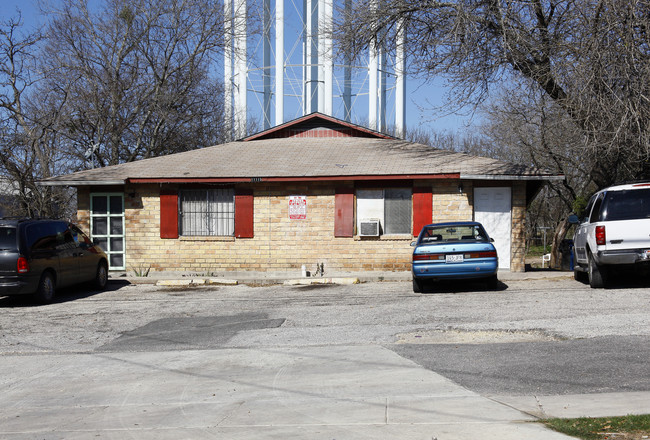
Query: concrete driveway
332, 362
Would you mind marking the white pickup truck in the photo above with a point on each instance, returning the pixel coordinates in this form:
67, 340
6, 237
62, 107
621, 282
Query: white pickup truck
614, 231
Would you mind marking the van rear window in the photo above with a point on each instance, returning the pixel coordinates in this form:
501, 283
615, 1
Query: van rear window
8, 238
626, 205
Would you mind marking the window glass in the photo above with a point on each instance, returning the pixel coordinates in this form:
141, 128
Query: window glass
397, 211
449, 233
117, 260
8, 238
585, 215
627, 205
391, 206
117, 244
370, 206
208, 212
43, 236
100, 205
116, 225
595, 213
102, 242
116, 204
100, 226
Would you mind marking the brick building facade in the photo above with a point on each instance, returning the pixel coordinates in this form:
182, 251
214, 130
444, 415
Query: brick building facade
269, 212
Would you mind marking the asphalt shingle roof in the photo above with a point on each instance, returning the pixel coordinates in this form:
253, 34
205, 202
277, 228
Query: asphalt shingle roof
306, 157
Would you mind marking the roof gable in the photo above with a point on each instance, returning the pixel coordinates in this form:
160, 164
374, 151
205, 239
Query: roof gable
317, 125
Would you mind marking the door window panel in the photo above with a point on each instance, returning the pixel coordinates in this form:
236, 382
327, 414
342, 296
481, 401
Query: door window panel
107, 226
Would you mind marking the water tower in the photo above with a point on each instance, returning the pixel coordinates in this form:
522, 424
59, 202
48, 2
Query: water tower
288, 68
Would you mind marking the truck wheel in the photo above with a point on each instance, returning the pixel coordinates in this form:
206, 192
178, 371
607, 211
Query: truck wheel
596, 274
579, 275
46, 287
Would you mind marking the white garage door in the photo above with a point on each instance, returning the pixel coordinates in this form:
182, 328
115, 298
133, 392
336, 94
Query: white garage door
492, 208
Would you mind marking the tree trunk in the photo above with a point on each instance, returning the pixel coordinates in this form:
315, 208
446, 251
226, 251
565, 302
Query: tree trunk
558, 235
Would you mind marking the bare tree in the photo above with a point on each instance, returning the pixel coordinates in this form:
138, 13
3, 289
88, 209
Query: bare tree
28, 150
533, 130
590, 57
137, 77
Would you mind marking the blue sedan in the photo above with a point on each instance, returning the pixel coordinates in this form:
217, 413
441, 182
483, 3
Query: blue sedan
454, 251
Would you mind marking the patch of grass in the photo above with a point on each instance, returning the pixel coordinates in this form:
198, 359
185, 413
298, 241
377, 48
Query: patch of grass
621, 428
538, 250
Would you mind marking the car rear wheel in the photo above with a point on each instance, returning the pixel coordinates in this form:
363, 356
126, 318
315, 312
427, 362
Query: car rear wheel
101, 278
417, 285
46, 288
596, 274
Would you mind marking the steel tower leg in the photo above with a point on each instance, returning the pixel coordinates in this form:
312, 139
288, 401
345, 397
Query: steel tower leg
279, 62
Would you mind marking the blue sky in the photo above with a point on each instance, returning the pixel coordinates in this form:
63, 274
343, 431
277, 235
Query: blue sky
422, 98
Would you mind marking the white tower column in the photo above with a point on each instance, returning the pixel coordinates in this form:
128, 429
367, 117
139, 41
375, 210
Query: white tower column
310, 56
266, 60
347, 73
227, 67
279, 62
240, 29
373, 64
325, 56
381, 90
400, 83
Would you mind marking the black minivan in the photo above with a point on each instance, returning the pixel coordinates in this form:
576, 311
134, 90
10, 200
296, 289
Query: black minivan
39, 256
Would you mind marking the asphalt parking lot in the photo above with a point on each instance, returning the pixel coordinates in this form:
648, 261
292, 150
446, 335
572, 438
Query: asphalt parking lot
531, 339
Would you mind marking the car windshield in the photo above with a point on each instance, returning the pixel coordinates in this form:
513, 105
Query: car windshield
448, 233
626, 205
8, 238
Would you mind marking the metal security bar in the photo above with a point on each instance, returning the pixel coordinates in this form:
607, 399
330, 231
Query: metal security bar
206, 212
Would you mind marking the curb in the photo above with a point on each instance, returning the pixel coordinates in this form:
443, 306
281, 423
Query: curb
310, 281
196, 282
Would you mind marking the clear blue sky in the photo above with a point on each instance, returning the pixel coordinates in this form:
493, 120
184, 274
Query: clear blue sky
421, 98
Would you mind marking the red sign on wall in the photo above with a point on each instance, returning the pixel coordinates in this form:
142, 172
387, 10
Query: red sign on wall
297, 207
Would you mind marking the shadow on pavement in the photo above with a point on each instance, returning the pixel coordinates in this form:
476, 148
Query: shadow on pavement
63, 295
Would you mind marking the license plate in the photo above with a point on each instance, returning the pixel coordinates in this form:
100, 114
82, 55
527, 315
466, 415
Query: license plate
454, 258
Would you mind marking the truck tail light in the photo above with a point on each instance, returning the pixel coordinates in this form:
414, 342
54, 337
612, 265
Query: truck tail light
600, 235
22, 265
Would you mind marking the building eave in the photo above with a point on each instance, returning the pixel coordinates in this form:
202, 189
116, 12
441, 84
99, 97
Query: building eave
80, 182
510, 177
295, 178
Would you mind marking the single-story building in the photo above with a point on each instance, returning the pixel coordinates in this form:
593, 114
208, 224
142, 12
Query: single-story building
316, 190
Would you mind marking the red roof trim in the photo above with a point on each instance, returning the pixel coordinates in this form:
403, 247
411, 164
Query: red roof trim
316, 115
292, 179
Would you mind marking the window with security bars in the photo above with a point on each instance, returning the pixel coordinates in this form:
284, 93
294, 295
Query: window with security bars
207, 212
391, 206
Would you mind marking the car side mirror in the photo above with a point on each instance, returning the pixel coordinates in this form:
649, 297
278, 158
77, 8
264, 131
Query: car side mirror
413, 243
573, 219
491, 240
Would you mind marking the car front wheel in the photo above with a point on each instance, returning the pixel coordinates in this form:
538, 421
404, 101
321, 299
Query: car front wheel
101, 278
46, 288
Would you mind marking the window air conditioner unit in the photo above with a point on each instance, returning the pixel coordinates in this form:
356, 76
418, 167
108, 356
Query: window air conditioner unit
369, 228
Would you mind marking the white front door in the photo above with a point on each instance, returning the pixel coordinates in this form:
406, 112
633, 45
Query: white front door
492, 208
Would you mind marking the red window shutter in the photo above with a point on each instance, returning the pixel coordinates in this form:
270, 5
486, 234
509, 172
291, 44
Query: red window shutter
422, 209
244, 220
168, 214
344, 207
